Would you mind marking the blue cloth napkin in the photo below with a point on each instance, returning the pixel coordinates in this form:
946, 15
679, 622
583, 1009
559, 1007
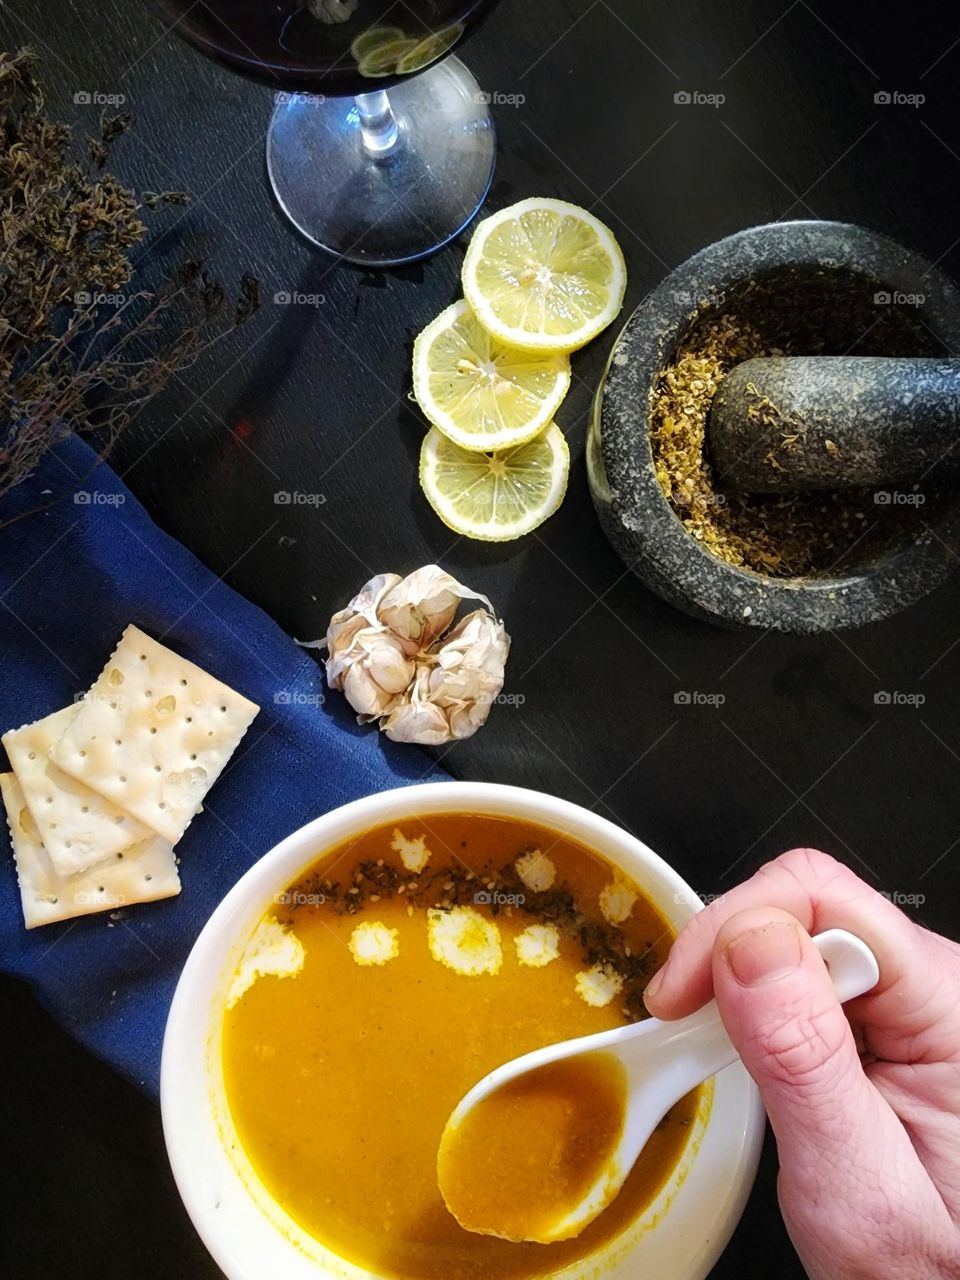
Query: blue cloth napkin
71, 579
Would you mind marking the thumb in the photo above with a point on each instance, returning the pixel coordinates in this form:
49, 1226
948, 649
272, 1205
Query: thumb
780, 1010
855, 1196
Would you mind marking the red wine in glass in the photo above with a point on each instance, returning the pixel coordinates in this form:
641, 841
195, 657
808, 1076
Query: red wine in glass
313, 46
375, 178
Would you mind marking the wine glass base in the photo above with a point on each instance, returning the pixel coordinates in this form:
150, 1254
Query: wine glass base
396, 208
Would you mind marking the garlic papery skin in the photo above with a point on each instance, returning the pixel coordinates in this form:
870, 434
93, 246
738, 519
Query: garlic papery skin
469, 673
422, 606
415, 719
376, 672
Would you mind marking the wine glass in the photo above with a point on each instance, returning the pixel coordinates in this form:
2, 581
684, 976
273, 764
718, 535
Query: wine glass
373, 176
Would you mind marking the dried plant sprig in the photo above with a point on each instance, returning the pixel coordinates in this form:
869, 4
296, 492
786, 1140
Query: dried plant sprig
78, 352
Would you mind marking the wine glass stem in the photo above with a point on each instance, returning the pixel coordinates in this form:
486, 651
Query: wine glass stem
378, 124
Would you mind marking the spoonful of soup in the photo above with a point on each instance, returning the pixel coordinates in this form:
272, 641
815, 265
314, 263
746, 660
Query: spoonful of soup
542, 1145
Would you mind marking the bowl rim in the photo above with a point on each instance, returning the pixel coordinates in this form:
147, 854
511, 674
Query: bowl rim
185, 1096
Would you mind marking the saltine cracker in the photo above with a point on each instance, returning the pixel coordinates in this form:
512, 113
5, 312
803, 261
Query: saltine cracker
154, 734
145, 872
78, 827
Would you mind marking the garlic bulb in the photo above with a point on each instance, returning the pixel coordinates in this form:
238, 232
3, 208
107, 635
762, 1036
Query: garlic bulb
394, 657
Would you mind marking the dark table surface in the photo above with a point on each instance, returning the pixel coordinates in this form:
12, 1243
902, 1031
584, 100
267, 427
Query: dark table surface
314, 398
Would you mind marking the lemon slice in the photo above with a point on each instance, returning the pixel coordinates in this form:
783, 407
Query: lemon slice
430, 49
373, 37
495, 496
382, 59
481, 394
544, 275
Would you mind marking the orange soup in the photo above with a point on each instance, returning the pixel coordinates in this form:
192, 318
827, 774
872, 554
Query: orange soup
520, 1162
395, 974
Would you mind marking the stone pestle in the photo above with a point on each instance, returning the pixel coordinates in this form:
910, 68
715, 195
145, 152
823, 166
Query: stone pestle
783, 424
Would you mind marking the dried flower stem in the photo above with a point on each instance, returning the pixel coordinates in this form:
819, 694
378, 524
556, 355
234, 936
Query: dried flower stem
66, 231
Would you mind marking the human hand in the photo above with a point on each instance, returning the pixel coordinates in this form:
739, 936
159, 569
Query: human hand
864, 1100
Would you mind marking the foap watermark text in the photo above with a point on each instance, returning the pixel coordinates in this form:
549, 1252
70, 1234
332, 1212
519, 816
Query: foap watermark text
696, 98
898, 698
296, 498
698, 698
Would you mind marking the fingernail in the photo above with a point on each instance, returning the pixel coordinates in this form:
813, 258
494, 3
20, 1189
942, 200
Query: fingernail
763, 955
654, 985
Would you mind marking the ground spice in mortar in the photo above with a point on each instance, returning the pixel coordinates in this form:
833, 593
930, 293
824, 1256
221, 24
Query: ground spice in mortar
822, 310
786, 535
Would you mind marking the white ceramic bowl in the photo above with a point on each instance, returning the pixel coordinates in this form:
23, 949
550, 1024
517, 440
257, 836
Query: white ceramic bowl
251, 1237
